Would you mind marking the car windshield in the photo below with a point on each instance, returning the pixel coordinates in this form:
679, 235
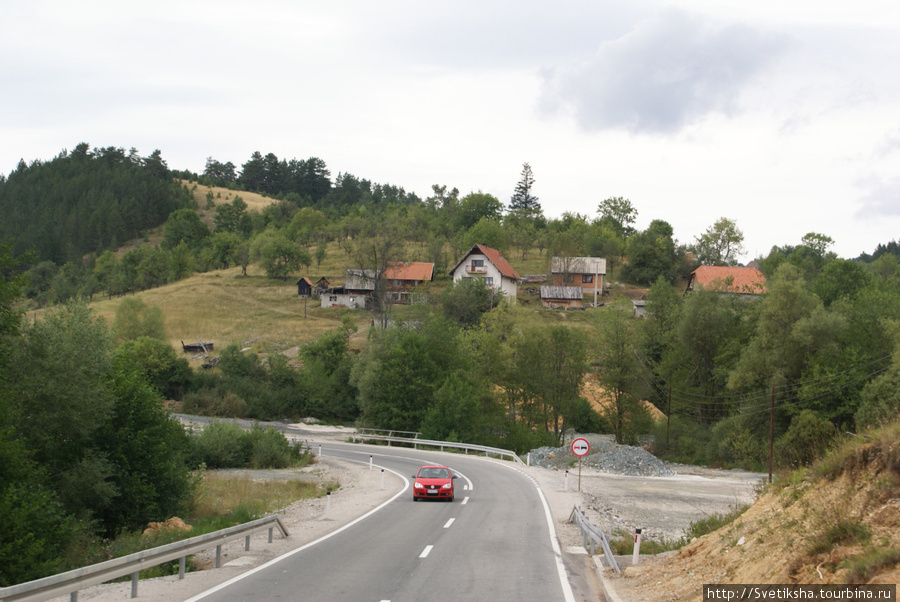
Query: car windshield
434, 473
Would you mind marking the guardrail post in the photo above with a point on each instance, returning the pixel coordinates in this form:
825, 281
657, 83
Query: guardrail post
219, 556
270, 533
182, 562
370, 461
246, 543
635, 556
134, 582
382, 478
73, 597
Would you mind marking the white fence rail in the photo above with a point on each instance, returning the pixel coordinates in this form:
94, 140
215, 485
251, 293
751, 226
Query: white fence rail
591, 534
375, 435
72, 581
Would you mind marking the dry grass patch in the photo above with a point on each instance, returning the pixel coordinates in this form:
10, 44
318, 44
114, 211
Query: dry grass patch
221, 495
225, 307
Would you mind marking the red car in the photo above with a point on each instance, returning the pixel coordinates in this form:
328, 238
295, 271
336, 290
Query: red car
433, 482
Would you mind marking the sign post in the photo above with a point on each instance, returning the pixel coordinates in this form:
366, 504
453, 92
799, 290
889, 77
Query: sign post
581, 448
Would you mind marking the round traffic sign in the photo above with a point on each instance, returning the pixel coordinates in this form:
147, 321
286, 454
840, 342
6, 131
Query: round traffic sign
581, 447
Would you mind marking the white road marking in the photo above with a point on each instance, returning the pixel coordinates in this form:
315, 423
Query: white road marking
465, 499
449, 522
266, 565
426, 552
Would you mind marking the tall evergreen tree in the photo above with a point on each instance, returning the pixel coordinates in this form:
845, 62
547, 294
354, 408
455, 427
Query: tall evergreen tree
523, 203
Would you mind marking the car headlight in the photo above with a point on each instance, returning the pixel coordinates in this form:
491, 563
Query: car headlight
447, 485
417, 485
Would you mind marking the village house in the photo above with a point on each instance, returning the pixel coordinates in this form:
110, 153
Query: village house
489, 265
746, 282
356, 292
584, 272
404, 276
399, 279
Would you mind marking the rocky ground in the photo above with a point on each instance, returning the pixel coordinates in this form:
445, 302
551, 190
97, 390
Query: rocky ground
619, 489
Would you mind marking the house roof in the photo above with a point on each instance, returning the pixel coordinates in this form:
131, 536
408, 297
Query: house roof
562, 292
360, 280
494, 256
578, 265
306, 280
410, 270
744, 281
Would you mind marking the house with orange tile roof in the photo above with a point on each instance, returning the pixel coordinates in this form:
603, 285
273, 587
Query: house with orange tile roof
489, 265
404, 276
400, 279
746, 282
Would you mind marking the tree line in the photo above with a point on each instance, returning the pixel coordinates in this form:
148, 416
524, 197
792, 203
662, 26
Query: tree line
85, 201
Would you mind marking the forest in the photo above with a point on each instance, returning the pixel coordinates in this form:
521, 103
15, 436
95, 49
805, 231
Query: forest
85, 439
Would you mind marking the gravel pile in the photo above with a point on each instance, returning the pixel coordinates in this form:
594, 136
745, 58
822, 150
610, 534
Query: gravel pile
606, 456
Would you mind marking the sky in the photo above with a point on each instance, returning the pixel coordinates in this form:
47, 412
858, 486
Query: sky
781, 116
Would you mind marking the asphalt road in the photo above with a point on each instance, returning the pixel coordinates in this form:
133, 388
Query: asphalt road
493, 542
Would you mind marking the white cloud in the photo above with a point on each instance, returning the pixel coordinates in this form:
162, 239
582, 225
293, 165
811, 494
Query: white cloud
671, 71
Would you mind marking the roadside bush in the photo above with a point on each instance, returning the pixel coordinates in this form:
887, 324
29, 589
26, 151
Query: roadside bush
222, 445
735, 444
682, 440
805, 440
880, 399
270, 449
227, 445
585, 419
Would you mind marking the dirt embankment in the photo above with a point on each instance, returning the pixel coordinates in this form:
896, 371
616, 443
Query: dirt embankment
840, 528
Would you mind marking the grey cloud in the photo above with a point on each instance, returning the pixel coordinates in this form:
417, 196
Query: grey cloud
882, 198
669, 72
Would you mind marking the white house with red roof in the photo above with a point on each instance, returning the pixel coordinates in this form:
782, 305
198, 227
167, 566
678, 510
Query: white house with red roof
489, 265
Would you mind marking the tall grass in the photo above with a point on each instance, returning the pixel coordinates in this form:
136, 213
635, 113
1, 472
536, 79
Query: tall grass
219, 502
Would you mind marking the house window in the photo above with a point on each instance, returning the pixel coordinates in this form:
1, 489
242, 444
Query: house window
332, 298
489, 280
478, 263
569, 278
586, 278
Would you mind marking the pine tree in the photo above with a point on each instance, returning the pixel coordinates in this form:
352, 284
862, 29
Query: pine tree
522, 201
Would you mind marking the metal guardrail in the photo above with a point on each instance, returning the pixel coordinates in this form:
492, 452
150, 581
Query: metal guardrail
372, 435
589, 531
72, 581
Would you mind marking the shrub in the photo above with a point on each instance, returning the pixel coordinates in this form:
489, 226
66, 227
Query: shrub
880, 399
805, 440
227, 445
222, 445
270, 449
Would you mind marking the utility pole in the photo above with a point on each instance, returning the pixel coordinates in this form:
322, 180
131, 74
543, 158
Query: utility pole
771, 431
668, 417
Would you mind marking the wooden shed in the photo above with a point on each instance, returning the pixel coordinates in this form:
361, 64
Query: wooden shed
304, 287
562, 297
